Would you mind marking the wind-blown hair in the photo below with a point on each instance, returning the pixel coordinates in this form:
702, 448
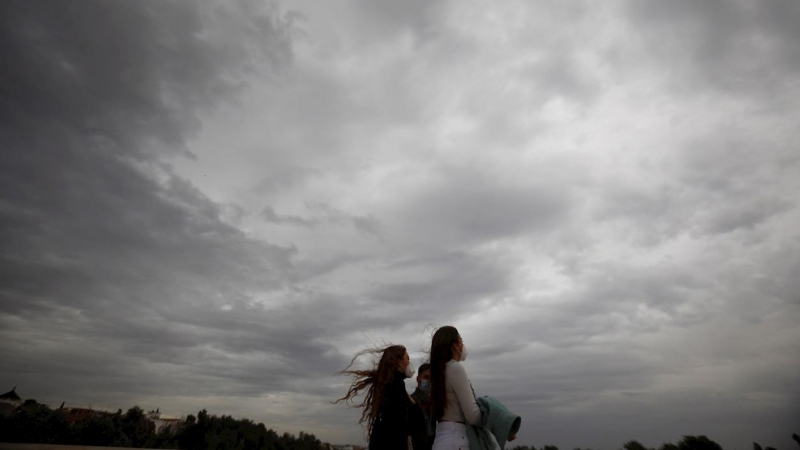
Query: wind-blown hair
373, 382
441, 354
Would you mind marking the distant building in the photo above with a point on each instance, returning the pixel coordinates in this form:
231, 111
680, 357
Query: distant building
162, 422
75, 415
9, 401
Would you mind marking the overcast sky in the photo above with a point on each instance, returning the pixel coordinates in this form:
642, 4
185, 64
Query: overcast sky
216, 204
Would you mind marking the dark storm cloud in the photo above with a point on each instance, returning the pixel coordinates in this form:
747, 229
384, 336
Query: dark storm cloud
116, 273
747, 49
602, 199
107, 81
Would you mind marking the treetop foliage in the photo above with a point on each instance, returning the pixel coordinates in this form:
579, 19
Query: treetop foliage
36, 423
687, 443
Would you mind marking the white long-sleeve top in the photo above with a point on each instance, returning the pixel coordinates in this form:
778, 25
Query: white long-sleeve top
461, 405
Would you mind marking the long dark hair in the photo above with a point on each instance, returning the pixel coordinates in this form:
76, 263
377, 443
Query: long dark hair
441, 354
372, 381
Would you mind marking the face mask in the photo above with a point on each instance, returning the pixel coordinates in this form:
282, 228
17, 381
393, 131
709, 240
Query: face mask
425, 386
464, 352
410, 370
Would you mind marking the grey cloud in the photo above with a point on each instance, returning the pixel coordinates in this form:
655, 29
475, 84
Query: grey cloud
286, 178
714, 186
271, 216
398, 292
745, 216
135, 286
663, 286
458, 279
390, 18
736, 186
780, 280
617, 419
465, 205
320, 214
367, 225
134, 265
655, 214
364, 224
79, 77
703, 45
609, 297
322, 265
558, 75
765, 281
621, 373
557, 376
734, 163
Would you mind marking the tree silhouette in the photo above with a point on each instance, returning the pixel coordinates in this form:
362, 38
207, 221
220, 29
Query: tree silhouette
698, 443
138, 428
33, 422
103, 430
36, 423
633, 445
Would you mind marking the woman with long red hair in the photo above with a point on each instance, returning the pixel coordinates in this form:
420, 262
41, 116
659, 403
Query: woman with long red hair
386, 402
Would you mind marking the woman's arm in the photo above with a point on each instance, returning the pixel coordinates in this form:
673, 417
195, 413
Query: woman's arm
458, 381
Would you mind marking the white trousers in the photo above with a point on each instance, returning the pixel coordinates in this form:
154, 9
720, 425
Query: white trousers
451, 436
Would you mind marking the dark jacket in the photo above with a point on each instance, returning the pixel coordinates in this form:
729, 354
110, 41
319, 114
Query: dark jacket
391, 428
423, 428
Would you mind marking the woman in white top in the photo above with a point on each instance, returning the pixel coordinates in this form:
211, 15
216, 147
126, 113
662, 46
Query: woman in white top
452, 399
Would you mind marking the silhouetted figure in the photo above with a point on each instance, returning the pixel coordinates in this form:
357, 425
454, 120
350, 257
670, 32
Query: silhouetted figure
423, 426
386, 403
